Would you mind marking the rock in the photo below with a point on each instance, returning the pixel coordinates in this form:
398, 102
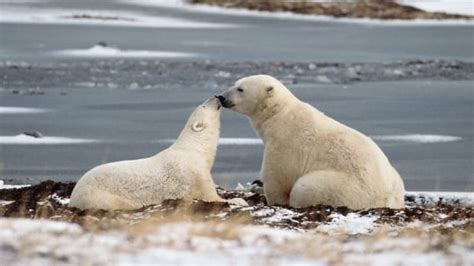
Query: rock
257, 187
257, 183
34, 134
323, 79
133, 86
102, 43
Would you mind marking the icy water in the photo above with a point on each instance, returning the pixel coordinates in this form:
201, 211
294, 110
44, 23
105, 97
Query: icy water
116, 111
102, 110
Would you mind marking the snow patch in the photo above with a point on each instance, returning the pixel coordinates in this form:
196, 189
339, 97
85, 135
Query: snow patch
461, 7
20, 110
63, 201
45, 242
5, 186
28, 140
225, 141
157, 3
239, 141
19, 1
418, 138
351, 224
275, 214
101, 51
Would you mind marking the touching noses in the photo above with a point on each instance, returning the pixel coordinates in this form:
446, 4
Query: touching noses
225, 102
221, 99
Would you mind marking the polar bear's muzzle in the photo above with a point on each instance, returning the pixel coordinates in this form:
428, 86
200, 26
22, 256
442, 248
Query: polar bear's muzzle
212, 103
225, 102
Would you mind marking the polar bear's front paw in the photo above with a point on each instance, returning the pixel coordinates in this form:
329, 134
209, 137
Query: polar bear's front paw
238, 201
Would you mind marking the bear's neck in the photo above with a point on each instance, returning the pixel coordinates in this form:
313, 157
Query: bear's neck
202, 144
270, 109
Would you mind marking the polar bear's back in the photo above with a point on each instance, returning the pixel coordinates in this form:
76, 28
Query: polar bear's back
132, 184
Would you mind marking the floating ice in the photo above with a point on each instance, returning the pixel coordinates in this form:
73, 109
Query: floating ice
101, 51
226, 141
418, 138
28, 140
239, 141
20, 110
19, 1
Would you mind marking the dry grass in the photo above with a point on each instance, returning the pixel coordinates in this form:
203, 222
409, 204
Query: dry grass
442, 230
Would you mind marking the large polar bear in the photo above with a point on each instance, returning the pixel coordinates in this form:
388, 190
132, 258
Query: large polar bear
181, 171
309, 158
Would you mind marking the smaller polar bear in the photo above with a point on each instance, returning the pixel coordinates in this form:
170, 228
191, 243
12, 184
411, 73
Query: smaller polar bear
309, 158
182, 171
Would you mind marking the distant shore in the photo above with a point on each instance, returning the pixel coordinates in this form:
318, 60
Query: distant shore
373, 9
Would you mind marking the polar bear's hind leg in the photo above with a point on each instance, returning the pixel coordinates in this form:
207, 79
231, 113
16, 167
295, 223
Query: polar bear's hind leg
321, 187
100, 199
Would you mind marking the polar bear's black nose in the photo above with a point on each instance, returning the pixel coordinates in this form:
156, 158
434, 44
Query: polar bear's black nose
221, 98
226, 103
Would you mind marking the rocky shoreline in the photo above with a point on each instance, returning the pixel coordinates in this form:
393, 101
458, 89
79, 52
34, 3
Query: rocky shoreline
48, 200
37, 228
120, 74
374, 9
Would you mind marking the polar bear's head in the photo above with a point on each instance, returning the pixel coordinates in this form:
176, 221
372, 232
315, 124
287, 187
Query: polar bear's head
206, 116
252, 94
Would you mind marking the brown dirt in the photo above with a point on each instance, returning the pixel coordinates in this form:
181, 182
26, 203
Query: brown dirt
376, 9
38, 202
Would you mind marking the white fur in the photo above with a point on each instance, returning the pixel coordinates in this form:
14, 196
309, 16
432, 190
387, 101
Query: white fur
309, 158
181, 171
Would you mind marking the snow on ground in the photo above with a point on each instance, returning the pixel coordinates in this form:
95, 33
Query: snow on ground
351, 224
151, 236
5, 186
287, 15
29, 140
63, 201
97, 17
20, 110
42, 242
462, 7
101, 51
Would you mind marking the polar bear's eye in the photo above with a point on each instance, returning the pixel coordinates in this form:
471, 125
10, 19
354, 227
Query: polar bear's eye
240, 89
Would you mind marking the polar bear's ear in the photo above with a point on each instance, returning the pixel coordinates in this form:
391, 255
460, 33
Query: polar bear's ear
198, 126
270, 90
